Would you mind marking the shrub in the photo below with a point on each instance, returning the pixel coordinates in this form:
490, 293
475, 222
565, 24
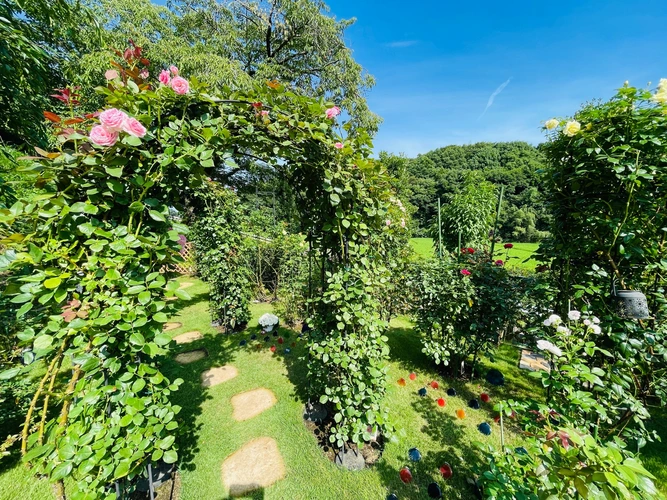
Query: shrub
219, 249
462, 307
567, 464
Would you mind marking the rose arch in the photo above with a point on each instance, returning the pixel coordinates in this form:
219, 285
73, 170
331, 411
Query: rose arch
87, 261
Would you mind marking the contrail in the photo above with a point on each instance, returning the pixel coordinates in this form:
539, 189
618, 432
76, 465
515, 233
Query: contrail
493, 96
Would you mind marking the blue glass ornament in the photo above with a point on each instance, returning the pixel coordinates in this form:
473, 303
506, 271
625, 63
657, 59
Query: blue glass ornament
484, 428
474, 404
422, 392
253, 337
434, 490
287, 350
242, 343
414, 454
451, 392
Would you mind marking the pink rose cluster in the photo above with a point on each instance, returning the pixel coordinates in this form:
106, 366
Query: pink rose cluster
170, 78
112, 122
332, 112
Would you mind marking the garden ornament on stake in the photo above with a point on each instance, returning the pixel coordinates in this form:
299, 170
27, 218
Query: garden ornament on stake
630, 304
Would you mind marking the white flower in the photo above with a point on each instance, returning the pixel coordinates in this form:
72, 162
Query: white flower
554, 320
661, 95
596, 320
551, 124
587, 322
268, 320
574, 315
547, 322
596, 329
572, 128
545, 345
563, 329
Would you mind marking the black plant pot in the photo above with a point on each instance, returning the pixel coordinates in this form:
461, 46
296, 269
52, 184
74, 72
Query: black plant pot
631, 304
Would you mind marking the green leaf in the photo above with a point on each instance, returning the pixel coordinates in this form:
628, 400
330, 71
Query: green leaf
24, 309
157, 216
170, 456
335, 199
21, 298
166, 442
162, 339
12, 372
43, 342
122, 470
136, 207
131, 140
61, 471
52, 283
160, 317
114, 172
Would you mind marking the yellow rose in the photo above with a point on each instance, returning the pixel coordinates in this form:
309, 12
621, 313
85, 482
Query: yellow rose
551, 124
572, 128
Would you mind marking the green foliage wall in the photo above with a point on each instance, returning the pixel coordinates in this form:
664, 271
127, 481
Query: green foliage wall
219, 249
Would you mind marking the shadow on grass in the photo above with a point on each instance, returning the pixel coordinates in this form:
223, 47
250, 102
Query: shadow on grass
221, 350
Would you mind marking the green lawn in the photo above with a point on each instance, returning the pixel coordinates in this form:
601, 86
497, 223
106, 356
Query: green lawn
211, 434
521, 252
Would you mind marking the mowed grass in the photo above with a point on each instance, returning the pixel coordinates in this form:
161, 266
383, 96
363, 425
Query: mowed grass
519, 255
210, 434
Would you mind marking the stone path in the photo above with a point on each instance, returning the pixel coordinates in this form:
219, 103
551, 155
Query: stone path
218, 375
257, 464
533, 361
171, 326
251, 403
186, 337
188, 357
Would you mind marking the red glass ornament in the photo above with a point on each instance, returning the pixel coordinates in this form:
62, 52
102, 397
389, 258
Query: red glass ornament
435, 385
496, 419
401, 382
273, 348
280, 340
484, 397
405, 475
441, 402
446, 471
413, 376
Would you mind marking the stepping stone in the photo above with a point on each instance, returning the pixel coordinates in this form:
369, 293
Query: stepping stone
171, 326
183, 286
186, 337
218, 375
258, 464
251, 403
533, 361
185, 358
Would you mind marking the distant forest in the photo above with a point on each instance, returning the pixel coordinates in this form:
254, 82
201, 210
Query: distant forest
516, 165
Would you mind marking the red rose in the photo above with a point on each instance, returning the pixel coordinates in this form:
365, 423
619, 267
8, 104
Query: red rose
508, 245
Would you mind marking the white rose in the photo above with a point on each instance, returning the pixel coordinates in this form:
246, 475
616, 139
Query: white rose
572, 128
574, 315
551, 124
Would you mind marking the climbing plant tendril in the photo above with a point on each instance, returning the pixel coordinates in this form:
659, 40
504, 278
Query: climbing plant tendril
91, 275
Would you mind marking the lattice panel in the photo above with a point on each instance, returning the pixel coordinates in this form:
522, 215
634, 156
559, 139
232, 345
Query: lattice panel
188, 253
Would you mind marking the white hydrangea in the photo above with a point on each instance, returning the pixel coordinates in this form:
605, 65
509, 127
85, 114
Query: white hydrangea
545, 345
267, 321
574, 315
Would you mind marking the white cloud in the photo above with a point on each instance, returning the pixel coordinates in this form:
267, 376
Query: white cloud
493, 96
400, 44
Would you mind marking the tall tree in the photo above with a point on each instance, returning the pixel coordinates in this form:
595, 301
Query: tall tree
233, 43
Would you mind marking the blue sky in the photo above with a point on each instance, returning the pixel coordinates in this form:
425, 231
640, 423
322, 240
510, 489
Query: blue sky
437, 63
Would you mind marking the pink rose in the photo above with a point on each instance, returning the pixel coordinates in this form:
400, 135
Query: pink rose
338, 145
264, 112
113, 119
102, 136
164, 77
111, 74
174, 70
388, 222
333, 112
499, 262
144, 74
180, 85
465, 272
133, 127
